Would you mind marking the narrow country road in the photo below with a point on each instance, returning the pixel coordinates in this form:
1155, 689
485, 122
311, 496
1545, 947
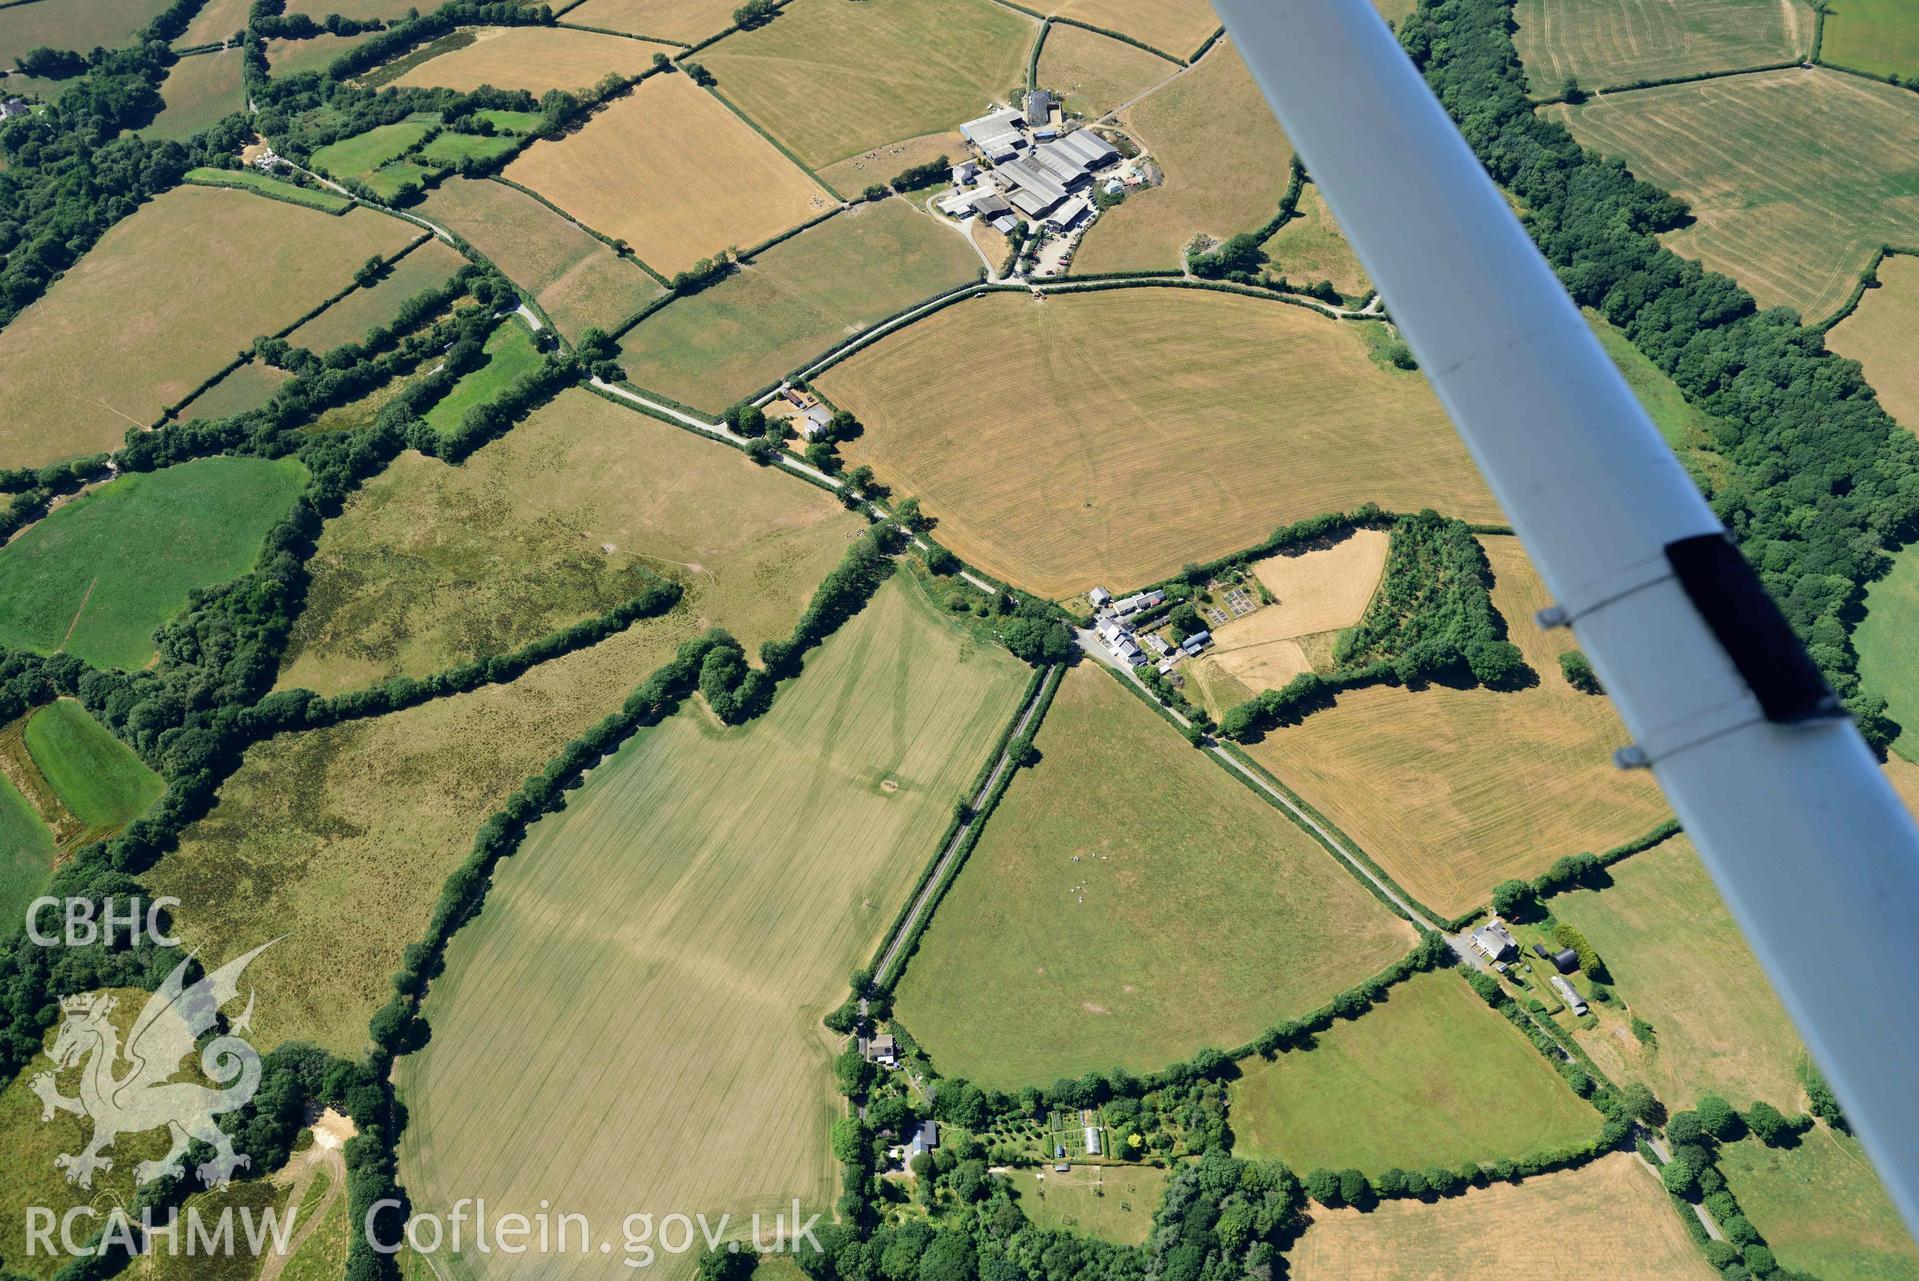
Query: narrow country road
927, 891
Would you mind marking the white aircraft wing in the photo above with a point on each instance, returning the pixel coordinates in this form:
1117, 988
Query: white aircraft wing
1813, 851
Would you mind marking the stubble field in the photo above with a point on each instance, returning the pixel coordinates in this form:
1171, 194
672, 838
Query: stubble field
701, 890
1608, 1219
1314, 593
1454, 790
1434, 1076
242, 266
1177, 27
574, 278
678, 193
793, 302
1879, 336
1226, 160
1603, 43
1795, 178
1128, 904
1311, 248
687, 20
428, 267
831, 80
535, 59
431, 565
1131, 431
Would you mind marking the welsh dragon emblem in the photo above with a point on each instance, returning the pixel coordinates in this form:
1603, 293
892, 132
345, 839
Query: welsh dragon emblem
142, 1095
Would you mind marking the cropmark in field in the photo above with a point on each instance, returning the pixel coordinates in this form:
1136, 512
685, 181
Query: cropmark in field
1795, 178
1110, 437
706, 887
1128, 904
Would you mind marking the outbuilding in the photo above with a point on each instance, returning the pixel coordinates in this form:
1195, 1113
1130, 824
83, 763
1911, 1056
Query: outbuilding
1569, 994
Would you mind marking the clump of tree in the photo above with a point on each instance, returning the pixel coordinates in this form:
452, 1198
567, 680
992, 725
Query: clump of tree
755, 13
1432, 618
920, 176
700, 75
705, 272
1579, 673
1238, 259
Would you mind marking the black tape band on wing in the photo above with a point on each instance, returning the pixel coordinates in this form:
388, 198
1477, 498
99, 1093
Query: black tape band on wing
1790, 688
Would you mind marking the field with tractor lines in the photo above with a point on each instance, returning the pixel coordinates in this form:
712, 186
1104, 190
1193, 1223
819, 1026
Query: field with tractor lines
1795, 178
1140, 903
535, 59
1603, 43
1134, 430
1177, 27
633, 1024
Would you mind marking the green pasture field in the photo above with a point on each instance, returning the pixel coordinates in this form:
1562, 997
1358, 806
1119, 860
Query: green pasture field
1878, 36
254, 180
1226, 160
199, 92
1604, 43
291, 57
449, 149
26, 857
704, 887
94, 774
72, 24
1821, 1208
1432, 1077
793, 302
516, 122
341, 838
389, 180
1679, 962
1112, 1202
510, 356
831, 80
575, 279
363, 153
431, 565
350, 319
1887, 662
1795, 178
70, 584
248, 387
1128, 904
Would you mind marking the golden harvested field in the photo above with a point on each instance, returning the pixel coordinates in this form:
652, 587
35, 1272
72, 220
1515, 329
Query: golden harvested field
431, 565
1452, 791
1177, 27
687, 20
633, 1024
1093, 73
1603, 43
1795, 178
574, 278
856, 173
1880, 335
72, 24
1316, 591
1128, 904
675, 174
1679, 960
1226, 160
290, 57
533, 58
1131, 431
831, 79
1609, 1219
1311, 247
340, 838
350, 320
242, 265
